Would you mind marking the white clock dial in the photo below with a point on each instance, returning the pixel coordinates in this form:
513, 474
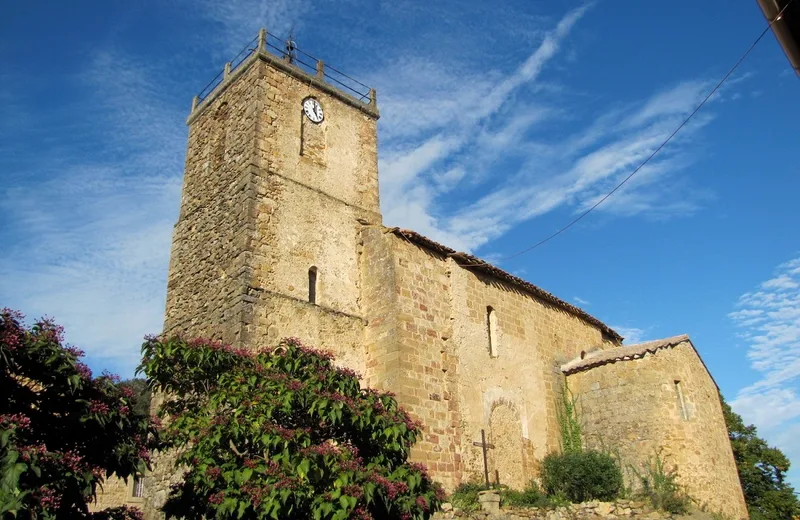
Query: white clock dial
313, 110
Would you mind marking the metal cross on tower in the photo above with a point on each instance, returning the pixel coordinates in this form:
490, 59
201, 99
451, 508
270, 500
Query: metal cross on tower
484, 446
291, 47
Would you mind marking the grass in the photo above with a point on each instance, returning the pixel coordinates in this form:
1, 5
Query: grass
660, 487
465, 497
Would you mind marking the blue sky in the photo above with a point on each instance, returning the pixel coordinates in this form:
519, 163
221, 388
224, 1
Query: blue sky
498, 126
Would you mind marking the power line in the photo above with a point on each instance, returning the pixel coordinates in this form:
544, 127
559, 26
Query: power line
655, 152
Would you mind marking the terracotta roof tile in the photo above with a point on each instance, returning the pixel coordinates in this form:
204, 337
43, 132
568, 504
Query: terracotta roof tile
623, 353
474, 263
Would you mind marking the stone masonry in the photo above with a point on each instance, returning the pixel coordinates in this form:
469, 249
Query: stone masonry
273, 202
658, 398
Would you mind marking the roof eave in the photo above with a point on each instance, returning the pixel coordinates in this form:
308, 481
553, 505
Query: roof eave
783, 29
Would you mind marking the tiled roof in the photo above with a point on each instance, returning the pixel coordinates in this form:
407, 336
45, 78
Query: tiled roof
624, 353
476, 264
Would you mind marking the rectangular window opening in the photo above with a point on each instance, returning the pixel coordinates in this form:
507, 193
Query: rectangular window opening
138, 486
681, 401
491, 325
312, 285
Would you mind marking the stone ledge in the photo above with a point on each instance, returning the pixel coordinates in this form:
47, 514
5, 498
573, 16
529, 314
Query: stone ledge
621, 509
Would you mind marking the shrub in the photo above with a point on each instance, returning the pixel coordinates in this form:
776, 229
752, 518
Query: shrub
531, 496
581, 476
283, 433
660, 487
465, 497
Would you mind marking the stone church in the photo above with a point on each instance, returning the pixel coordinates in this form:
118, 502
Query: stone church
280, 234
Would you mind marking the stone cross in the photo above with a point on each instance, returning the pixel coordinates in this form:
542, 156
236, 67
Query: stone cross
484, 446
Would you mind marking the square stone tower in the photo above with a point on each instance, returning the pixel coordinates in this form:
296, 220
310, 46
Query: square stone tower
281, 173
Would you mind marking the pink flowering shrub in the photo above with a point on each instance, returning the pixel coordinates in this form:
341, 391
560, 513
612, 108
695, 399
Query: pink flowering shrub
62, 431
283, 433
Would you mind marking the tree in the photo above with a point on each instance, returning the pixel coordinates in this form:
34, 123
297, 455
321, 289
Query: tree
141, 395
62, 431
282, 433
762, 470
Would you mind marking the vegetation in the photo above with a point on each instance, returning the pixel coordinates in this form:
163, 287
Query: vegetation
141, 395
465, 497
762, 471
581, 476
571, 433
282, 433
531, 496
62, 431
660, 487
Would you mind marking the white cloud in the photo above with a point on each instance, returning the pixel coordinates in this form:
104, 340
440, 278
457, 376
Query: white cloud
92, 230
92, 239
481, 139
240, 20
632, 335
770, 321
580, 300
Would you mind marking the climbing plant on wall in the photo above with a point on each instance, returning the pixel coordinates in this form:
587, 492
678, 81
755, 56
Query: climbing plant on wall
569, 422
283, 433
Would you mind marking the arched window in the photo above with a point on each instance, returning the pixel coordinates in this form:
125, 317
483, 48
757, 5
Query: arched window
491, 326
312, 285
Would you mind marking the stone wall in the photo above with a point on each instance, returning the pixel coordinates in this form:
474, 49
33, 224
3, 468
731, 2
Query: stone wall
427, 340
516, 390
621, 509
634, 407
116, 492
269, 196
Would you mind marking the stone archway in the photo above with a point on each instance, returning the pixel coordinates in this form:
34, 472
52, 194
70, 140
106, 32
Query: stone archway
505, 432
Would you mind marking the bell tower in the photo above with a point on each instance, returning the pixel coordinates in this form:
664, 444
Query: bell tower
281, 175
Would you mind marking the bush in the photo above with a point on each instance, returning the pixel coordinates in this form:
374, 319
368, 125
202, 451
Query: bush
660, 487
283, 433
465, 497
531, 496
581, 476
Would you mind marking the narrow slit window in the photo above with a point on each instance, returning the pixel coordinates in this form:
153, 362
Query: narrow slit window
138, 486
681, 401
312, 285
491, 325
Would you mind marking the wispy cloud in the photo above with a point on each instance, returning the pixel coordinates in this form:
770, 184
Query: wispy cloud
632, 335
580, 301
90, 216
483, 140
769, 317
91, 241
238, 21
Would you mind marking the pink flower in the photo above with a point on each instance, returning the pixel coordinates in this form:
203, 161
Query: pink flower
16, 421
98, 407
84, 371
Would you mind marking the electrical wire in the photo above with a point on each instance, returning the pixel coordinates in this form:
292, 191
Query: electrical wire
655, 152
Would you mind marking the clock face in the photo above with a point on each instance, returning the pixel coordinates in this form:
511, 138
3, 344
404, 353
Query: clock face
313, 110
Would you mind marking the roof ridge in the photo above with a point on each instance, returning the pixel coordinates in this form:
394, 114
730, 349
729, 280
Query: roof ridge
622, 353
467, 260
